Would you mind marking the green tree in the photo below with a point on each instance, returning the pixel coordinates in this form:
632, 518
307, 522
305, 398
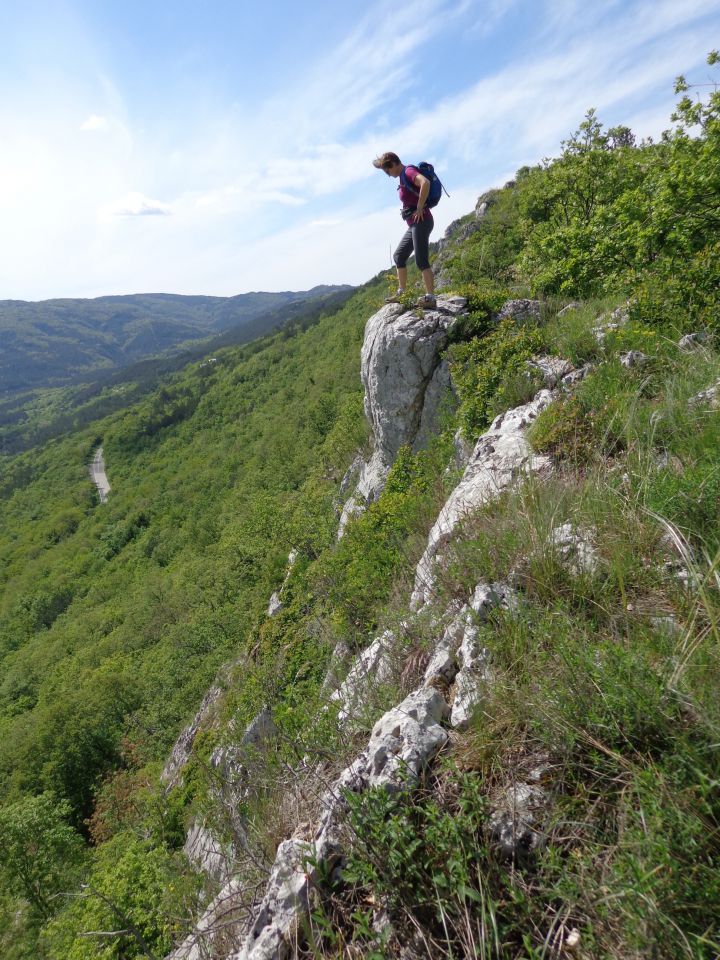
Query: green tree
39, 850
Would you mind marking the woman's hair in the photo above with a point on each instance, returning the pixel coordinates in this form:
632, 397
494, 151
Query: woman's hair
386, 160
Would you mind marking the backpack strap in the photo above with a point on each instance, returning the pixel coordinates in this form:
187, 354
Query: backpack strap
405, 182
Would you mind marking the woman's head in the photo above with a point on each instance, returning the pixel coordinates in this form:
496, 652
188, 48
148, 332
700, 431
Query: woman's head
389, 162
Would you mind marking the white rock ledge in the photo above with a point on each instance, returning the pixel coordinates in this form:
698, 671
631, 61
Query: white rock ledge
501, 455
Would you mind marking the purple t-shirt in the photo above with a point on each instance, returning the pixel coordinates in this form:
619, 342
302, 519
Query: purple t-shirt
407, 197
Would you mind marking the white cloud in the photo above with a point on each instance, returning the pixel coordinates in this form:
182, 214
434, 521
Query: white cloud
136, 205
95, 123
281, 193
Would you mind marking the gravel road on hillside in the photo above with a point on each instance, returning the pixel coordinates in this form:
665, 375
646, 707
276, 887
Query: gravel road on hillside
97, 472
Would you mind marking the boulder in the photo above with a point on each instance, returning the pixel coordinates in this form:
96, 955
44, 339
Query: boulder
692, 341
520, 310
634, 358
550, 369
575, 548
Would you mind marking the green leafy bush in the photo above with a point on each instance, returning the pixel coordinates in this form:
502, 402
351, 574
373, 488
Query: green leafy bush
490, 373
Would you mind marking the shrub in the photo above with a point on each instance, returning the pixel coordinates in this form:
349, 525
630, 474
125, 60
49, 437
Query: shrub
490, 373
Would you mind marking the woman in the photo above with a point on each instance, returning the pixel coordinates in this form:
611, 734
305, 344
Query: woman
413, 189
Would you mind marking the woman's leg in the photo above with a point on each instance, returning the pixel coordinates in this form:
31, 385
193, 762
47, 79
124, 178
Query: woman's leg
403, 251
421, 242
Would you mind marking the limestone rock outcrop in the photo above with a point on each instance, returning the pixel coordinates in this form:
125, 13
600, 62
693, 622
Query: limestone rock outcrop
405, 379
500, 456
372, 668
709, 397
182, 748
206, 853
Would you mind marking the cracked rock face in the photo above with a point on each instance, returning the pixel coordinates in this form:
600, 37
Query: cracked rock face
223, 912
206, 853
406, 739
473, 658
401, 745
400, 355
500, 456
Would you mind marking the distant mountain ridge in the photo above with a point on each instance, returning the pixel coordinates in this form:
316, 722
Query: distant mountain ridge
62, 341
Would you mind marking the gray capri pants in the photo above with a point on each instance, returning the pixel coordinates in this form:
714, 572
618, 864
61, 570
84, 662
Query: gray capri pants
417, 238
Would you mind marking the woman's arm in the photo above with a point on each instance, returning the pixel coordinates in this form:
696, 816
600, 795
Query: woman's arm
423, 185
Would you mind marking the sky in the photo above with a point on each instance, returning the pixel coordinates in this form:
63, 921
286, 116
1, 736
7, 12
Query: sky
224, 146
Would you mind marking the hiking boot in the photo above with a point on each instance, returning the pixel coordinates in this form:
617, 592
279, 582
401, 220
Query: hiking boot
428, 301
395, 298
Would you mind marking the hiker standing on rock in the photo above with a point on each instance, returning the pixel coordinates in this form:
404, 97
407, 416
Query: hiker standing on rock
414, 190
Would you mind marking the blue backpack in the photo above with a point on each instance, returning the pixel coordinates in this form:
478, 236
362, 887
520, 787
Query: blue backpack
436, 188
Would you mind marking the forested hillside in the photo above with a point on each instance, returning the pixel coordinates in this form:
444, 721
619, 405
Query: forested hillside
60, 341
599, 674
31, 416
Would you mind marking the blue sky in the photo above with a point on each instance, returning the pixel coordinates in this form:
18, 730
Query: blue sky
226, 146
